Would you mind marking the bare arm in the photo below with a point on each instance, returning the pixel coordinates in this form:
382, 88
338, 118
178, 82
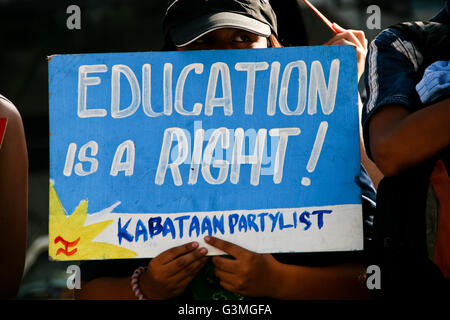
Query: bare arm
243, 275
13, 200
106, 289
400, 139
337, 282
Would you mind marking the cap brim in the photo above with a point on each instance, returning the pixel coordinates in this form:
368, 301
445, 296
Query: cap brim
195, 29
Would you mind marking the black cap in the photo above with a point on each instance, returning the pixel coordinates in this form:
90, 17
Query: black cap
188, 20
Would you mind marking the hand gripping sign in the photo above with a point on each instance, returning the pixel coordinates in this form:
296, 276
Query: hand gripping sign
154, 149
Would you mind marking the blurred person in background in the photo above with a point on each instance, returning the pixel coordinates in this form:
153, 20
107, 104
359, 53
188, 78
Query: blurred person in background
13, 199
406, 128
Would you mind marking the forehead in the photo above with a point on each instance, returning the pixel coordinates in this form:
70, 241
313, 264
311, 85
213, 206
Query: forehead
229, 31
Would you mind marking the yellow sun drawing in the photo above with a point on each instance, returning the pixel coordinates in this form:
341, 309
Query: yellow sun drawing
70, 239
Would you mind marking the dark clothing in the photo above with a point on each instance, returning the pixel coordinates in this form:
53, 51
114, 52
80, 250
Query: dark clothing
406, 203
396, 62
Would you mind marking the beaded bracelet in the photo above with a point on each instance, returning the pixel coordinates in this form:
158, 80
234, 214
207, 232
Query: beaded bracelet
135, 283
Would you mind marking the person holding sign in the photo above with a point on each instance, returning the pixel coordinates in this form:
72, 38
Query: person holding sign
184, 271
13, 198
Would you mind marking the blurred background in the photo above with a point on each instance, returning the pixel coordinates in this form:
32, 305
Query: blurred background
30, 31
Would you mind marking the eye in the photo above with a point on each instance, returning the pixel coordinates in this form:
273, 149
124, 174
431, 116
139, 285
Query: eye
242, 38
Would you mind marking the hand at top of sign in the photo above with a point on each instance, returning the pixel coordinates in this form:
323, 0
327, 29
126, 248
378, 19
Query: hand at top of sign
170, 272
358, 40
245, 272
355, 38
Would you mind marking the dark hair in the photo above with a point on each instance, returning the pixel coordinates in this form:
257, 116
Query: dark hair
273, 41
168, 44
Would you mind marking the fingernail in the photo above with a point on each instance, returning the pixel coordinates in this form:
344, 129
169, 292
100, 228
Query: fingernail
207, 238
203, 251
194, 244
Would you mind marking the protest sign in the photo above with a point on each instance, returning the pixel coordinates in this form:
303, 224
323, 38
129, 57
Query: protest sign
150, 150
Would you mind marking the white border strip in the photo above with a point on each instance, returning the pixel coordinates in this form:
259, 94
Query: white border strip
342, 230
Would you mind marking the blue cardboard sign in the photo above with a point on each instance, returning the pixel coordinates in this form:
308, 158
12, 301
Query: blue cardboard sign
259, 147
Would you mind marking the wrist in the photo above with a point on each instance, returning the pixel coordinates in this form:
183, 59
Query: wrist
135, 286
288, 282
277, 279
147, 287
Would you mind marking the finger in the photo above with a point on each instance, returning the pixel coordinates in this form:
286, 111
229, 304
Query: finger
361, 53
225, 276
341, 42
347, 35
225, 264
333, 39
228, 286
227, 280
182, 262
359, 34
187, 274
181, 281
228, 247
173, 253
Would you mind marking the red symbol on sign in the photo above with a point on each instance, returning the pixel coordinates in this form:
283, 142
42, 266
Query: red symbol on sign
3, 122
66, 244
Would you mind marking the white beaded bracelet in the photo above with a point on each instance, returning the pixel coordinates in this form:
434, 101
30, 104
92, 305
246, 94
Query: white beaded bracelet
135, 283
